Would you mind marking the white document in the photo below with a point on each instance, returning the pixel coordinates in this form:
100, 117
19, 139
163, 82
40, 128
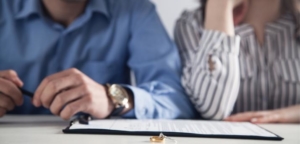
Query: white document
180, 126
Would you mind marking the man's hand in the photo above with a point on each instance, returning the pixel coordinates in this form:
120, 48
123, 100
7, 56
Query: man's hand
286, 115
10, 95
69, 92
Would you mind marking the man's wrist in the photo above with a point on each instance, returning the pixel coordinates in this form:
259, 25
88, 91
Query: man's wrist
115, 94
111, 105
130, 101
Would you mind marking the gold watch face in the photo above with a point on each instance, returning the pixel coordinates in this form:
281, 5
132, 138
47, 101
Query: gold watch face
118, 94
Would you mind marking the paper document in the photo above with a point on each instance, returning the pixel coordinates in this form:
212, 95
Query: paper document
178, 126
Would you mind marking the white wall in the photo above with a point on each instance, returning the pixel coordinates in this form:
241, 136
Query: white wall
170, 11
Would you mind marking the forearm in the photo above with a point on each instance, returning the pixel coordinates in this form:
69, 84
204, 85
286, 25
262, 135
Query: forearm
162, 102
284, 115
290, 114
157, 69
219, 16
214, 91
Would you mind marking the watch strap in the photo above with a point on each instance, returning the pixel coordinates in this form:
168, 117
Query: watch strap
117, 111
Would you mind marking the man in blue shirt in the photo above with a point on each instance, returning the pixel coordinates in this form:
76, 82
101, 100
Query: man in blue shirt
68, 50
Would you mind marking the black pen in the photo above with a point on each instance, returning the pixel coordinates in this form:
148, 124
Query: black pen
27, 93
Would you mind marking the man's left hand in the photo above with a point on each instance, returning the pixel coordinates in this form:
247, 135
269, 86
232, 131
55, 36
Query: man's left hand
69, 92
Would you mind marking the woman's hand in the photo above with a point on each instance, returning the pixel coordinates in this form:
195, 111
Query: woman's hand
237, 2
223, 15
286, 115
234, 3
297, 4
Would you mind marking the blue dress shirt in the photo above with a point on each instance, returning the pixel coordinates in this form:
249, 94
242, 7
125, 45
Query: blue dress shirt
106, 42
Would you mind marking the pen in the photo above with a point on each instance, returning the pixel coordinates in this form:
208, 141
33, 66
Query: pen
83, 118
27, 93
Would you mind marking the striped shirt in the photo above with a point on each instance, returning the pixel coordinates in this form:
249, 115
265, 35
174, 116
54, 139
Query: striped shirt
247, 76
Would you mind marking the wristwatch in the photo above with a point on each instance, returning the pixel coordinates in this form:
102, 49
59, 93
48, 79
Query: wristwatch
120, 98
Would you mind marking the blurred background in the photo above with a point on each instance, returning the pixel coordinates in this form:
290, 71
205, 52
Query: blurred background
170, 11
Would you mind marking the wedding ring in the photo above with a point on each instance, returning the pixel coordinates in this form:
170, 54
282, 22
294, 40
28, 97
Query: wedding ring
157, 139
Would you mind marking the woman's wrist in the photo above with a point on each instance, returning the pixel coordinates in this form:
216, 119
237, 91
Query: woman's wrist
220, 4
219, 16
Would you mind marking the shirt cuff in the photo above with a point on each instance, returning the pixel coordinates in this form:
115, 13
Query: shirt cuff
220, 41
143, 104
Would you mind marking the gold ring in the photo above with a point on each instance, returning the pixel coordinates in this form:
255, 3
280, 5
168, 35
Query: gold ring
156, 139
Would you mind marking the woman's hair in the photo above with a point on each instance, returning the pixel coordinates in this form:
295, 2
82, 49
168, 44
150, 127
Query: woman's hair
287, 6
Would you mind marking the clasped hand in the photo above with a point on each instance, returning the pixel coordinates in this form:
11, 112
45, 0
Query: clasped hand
65, 94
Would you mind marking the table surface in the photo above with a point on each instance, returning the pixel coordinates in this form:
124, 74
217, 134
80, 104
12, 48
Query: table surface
48, 130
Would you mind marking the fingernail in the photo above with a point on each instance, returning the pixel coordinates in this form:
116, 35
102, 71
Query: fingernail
254, 120
17, 80
22, 102
36, 103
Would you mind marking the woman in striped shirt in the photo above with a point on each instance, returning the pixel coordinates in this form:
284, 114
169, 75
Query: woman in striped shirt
242, 59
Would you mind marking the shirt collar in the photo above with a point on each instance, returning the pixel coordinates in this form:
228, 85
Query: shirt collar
31, 7
99, 6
